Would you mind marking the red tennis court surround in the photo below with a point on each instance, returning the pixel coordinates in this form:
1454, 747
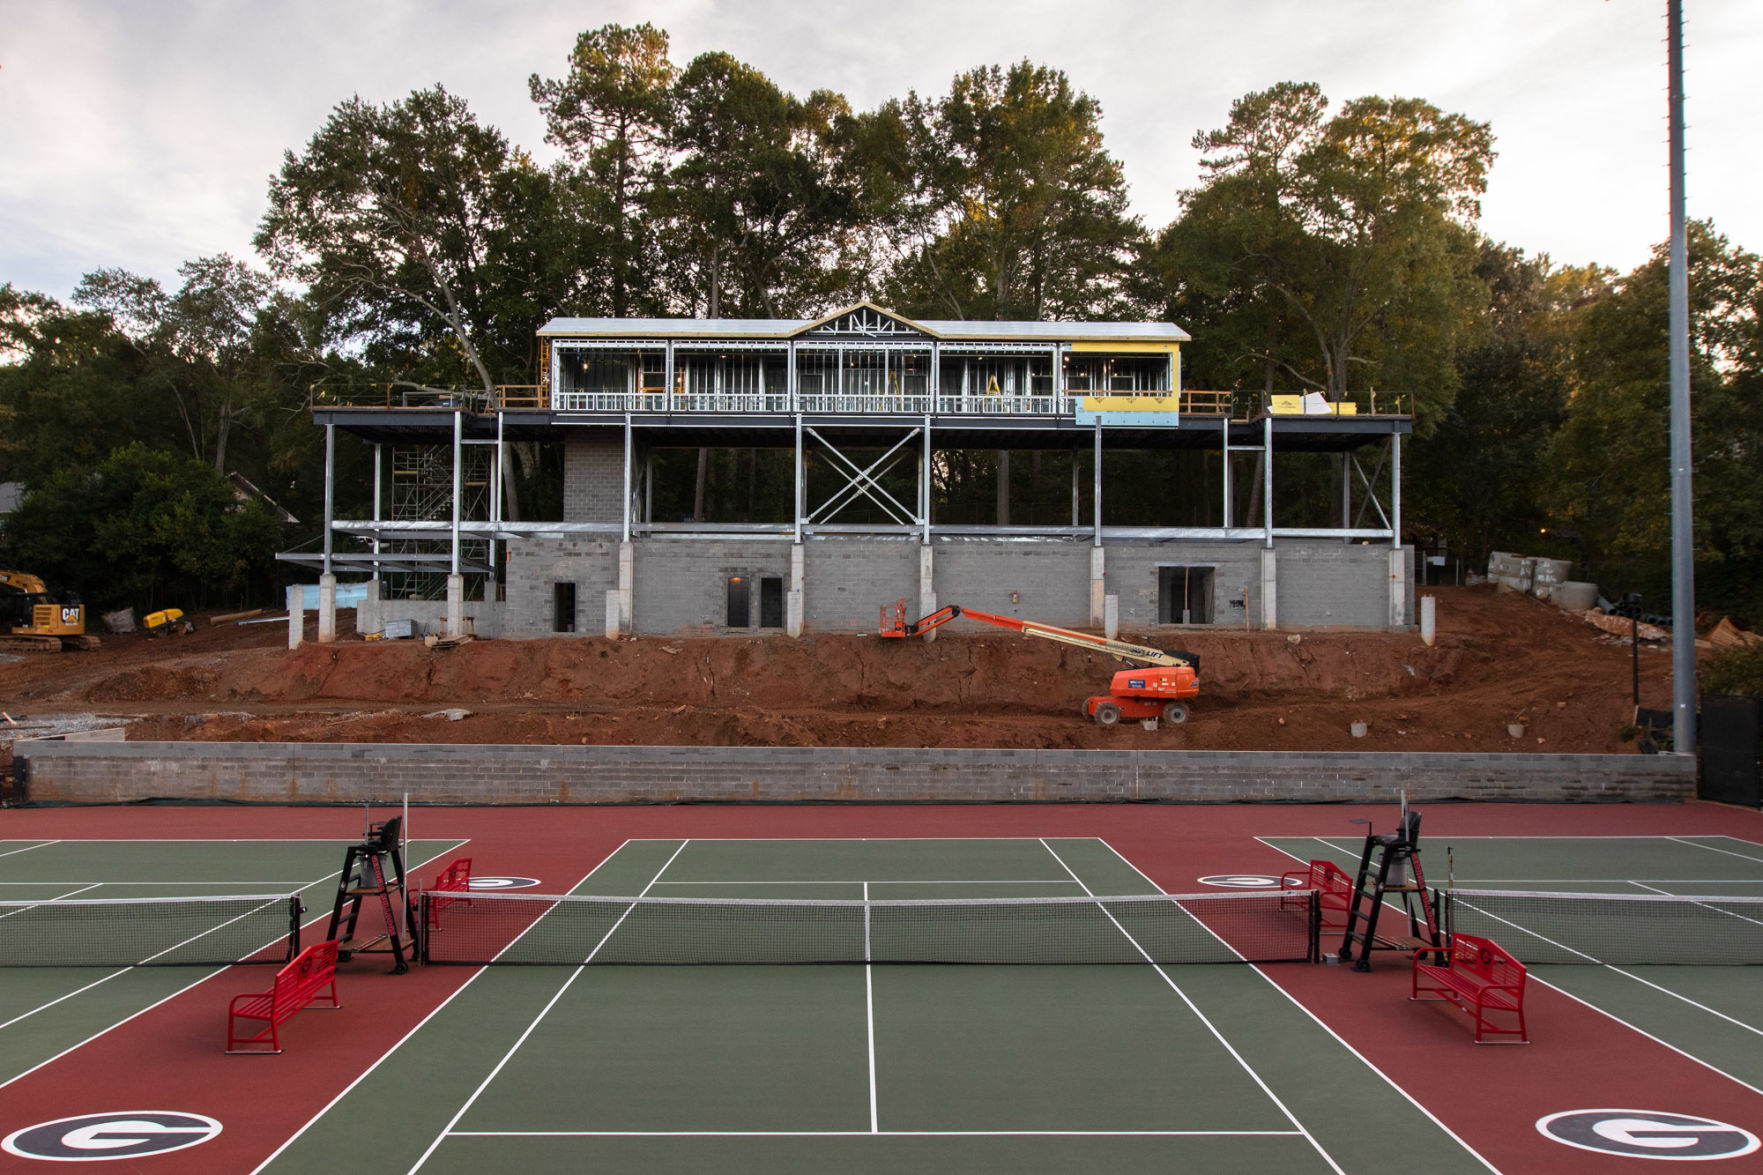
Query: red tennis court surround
1488, 1098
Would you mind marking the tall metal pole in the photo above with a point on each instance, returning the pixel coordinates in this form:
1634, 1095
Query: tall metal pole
1683, 574
330, 480
458, 458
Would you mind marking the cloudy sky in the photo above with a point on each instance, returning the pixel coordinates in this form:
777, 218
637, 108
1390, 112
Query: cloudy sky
142, 133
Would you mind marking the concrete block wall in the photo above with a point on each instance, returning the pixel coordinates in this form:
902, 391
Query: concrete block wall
345, 773
1131, 574
848, 580
1051, 580
682, 584
537, 564
485, 616
593, 476
1324, 584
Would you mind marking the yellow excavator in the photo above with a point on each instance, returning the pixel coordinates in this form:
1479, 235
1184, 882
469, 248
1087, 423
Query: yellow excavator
34, 621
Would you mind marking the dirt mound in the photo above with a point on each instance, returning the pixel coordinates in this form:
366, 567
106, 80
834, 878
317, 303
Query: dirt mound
1501, 660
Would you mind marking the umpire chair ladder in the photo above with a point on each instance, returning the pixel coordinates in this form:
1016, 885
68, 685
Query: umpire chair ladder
1396, 870
374, 868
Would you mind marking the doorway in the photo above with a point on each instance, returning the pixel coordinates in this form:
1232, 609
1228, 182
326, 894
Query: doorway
1184, 595
740, 608
771, 601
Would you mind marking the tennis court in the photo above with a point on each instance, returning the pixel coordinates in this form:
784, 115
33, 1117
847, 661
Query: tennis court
882, 1066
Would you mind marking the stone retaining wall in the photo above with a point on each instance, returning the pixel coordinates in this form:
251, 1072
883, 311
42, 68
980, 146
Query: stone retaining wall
284, 773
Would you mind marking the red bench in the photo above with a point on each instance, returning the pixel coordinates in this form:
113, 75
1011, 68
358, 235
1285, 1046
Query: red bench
1481, 979
311, 975
455, 878
1334, 890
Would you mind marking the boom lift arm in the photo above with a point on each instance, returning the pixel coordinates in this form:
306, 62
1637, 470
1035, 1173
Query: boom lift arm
1148, 693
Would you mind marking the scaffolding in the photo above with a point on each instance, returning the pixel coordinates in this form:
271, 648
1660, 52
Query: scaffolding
422, 491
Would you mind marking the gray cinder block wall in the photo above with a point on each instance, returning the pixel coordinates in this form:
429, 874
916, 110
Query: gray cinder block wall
281, 773
593, 476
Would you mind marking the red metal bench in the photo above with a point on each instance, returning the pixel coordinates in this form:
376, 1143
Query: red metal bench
455, 878
1480, 978
312, 974
1334, 890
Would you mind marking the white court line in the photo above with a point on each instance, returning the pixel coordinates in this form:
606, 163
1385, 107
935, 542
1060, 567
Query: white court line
420, 1024
1728, 852
1364, 1060
180, 991
854, 881
877, 1134
1201, 1016
1609, 1015
28, 848
869, 1009
539, 1019
33, 904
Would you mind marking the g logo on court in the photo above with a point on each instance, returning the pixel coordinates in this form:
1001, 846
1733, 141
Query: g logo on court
494, 883
1242, 881
1648, 1134
91, 1138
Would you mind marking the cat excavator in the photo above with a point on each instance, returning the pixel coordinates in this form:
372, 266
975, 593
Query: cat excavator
36, 622
1153, 692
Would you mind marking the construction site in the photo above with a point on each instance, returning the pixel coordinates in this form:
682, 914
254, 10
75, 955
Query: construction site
1506, 673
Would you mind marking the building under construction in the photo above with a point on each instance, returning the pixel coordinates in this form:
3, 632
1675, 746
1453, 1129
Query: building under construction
870, 410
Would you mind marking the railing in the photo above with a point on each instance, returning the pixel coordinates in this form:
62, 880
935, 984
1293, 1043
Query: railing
1235, 405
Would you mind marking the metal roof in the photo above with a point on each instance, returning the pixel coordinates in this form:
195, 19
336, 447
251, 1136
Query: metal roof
783, 328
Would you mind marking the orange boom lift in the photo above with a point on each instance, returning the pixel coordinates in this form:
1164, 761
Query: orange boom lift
1153, 692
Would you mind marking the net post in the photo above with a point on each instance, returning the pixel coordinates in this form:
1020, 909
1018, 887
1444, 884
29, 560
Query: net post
295, 909
1314, 954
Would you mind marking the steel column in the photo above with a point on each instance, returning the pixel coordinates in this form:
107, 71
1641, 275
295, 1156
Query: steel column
1683, 548
458, 484
1267, 478
330, 470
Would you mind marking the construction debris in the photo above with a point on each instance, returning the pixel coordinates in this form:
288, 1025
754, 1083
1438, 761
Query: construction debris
1624, 626
1727, 635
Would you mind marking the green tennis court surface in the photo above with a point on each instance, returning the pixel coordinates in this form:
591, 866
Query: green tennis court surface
1284, 1067
1713, 1013
46, 1011
867, 1068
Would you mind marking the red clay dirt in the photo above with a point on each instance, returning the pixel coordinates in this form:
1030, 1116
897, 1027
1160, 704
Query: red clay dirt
1501, 658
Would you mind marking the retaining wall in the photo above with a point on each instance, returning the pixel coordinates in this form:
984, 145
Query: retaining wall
282, 773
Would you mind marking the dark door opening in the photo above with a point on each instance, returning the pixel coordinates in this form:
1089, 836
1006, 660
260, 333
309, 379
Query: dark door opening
771, 601
740, 613
563, 607
1184, 595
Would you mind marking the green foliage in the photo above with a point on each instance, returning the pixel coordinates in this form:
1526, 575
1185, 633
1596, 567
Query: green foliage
386, 218
1012, 207
1735, 672
145, 528
756, 212
612, 115
1611, 456
1334, 253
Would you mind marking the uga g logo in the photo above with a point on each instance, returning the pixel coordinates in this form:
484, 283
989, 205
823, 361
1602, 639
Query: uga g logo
121, 1135
1648, 1134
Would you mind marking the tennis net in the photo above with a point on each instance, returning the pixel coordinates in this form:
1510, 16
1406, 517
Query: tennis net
1616, 929
150, 932
550, 929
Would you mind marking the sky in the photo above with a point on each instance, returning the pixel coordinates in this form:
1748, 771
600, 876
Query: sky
140, 134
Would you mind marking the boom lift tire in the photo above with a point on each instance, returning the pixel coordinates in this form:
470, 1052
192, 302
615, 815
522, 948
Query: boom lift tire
1107, 713
1175, 712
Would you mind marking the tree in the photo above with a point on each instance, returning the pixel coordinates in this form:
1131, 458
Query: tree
612, 115
758, 211
199, 343
1611, 486
1010, 206
386, 217
1335, 252
145, 528
1475, 479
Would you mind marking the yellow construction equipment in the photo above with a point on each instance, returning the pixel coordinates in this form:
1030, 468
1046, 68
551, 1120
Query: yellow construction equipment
36, 622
